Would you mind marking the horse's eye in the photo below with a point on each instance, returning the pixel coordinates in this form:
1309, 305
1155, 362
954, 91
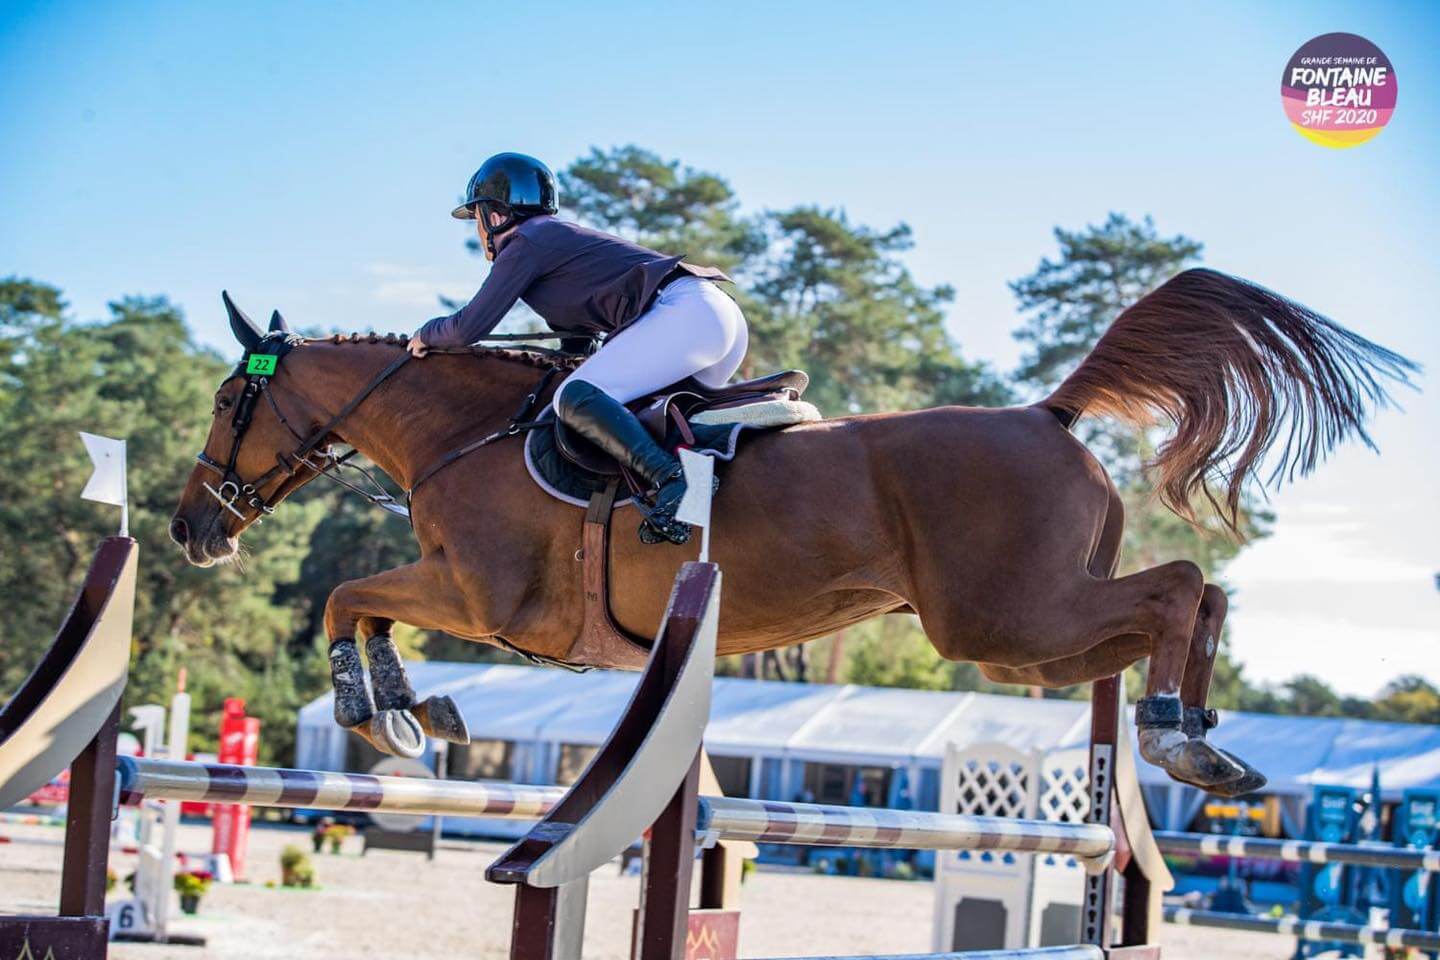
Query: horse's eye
223, 404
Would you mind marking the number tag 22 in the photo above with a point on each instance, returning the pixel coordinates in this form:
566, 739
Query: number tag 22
262, 364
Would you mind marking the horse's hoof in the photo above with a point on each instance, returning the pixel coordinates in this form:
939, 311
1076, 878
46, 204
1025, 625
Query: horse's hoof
440, 718
1159, 745
1189, 760
396, 732
1250, 781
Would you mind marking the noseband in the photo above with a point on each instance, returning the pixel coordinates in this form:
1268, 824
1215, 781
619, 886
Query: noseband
257, 367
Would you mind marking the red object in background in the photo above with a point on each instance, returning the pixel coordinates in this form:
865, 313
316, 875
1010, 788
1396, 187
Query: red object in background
239, 744
56, 793
712, 934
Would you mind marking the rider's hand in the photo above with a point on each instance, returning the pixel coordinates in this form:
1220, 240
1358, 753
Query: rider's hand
417, 347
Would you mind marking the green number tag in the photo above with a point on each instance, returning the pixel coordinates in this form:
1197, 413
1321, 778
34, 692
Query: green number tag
262, 363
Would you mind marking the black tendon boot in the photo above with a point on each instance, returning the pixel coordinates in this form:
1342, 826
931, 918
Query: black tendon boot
605, 422
353, 705
387, 674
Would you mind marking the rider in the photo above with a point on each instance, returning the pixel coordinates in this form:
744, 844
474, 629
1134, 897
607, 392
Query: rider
675, 322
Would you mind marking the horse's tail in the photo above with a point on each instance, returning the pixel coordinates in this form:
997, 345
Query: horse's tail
1235, 368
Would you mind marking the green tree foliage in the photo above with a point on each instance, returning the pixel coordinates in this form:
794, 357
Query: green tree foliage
137, 375
818, 291
1409, 699
636, 194
836, 299
1072, 300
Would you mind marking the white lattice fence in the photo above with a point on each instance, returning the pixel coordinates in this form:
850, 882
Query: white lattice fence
987, 900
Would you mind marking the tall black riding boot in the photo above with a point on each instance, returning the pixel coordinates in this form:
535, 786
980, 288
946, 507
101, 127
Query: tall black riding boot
605, 422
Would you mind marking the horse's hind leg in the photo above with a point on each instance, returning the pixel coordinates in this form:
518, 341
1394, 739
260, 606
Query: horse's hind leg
1195, 688
1204, 645
1163, 604
1051, 623
1095, 627
1117, 653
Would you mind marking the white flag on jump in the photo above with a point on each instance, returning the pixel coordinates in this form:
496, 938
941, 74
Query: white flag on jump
107, 483
694, 507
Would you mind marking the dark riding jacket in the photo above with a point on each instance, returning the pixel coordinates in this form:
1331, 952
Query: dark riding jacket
578, 280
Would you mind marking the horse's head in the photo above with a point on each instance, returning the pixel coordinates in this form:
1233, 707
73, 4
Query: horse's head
249, 461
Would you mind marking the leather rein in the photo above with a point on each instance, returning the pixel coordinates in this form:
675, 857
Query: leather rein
234, 489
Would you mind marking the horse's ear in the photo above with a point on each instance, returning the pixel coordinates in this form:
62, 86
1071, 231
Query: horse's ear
242, 326
277, 323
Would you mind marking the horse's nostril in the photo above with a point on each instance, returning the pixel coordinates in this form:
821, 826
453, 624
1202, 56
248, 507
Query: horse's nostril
179, 531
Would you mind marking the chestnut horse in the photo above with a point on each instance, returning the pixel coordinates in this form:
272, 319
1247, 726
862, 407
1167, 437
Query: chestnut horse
996, 527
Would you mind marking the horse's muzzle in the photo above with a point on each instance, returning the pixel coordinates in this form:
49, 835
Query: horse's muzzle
203, 551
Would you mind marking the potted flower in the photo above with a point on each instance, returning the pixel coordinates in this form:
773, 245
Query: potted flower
317, 836
336, 835
192, 885
296, 870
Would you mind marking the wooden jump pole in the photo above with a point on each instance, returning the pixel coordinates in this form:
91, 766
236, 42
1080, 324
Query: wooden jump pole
1115, 801
67, 710
646, 773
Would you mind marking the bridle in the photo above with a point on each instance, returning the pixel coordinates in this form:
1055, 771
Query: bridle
234, 489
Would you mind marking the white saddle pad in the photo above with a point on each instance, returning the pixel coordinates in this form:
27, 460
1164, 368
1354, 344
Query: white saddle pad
762, 416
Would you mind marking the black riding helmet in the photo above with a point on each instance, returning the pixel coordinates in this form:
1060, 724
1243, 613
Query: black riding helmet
513, 185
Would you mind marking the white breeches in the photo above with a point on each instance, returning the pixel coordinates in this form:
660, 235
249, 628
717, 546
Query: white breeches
691, 330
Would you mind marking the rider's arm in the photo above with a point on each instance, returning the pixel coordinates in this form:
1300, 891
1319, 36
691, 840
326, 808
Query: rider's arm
513, 271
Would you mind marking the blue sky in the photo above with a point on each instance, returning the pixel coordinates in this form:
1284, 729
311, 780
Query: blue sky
306, 155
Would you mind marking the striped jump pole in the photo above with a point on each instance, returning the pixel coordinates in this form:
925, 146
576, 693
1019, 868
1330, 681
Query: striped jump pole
142, 779
1313, 930
1298, 851
812, 824
720, 818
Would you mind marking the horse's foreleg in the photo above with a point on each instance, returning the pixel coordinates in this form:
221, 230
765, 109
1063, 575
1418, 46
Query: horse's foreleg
421, 594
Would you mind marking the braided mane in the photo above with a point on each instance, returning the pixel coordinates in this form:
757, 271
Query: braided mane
531, 356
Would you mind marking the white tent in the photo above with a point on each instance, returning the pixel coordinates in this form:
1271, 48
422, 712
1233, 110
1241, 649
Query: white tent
776, 729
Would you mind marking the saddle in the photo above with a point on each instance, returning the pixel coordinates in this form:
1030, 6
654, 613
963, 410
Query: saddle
674, 416
678, 406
